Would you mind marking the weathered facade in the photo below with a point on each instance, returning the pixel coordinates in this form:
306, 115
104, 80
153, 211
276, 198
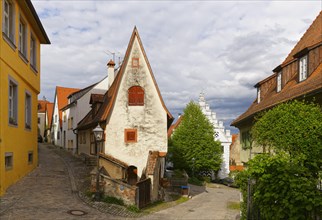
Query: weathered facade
133, 116
298, 77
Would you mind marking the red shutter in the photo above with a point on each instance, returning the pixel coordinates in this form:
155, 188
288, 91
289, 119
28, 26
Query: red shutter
136, 96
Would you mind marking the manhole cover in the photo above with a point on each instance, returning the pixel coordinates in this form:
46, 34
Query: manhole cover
77, 212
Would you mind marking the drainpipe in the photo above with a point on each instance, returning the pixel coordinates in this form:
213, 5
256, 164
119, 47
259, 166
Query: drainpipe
76, 133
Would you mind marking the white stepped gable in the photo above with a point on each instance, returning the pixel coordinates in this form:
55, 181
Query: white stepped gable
221, 134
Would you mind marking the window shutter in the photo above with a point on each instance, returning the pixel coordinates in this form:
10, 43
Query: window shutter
131, 135
136, 96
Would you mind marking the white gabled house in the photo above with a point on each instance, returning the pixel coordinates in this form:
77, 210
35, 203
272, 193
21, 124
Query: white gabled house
60, 100
76, 109
221, 134
135, 121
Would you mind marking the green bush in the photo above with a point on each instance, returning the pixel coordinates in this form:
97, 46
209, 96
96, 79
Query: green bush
133, 208
195, 181
113, 200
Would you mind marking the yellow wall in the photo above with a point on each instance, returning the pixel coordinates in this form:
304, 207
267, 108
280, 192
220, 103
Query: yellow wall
17, 139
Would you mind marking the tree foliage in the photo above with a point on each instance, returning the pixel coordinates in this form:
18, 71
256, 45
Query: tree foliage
194, 138
287, 179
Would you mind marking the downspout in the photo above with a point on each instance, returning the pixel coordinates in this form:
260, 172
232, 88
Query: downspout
76, 133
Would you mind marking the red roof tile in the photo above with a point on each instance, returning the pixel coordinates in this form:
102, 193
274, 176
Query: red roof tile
62, 96
42, 106
311, 37
50, 110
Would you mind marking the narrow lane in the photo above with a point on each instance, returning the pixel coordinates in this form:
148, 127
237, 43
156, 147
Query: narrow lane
46, 193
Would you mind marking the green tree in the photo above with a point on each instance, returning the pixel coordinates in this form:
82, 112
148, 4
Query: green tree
287, 179
194, 138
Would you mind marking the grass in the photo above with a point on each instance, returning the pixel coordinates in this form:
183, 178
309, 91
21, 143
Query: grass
233, 205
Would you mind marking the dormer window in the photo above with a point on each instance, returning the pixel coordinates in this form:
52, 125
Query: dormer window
258, 94
279, 82
303, 68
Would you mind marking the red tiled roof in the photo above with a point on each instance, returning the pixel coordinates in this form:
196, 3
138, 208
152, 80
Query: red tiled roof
292, 88
50, 110
62, 97
42, 106
110, 96
311, 37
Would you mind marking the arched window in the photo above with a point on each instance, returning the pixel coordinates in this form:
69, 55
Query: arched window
136, 96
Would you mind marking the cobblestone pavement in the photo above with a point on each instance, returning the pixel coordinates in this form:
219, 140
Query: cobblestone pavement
49, 192
56, 188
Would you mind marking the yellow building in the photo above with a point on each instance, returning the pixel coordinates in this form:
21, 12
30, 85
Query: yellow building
20, 38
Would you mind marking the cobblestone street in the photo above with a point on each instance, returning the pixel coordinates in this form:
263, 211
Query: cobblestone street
49, 192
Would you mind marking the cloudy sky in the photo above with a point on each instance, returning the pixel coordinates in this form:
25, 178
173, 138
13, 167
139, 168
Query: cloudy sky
222, 48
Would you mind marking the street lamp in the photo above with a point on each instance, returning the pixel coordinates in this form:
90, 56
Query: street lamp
98, 135
193, 167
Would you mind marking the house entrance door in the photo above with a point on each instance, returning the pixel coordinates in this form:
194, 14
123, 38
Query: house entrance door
132, 175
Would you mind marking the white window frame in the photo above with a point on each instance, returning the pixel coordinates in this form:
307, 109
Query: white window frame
28, 110
303, 68
33, 52
8, 166
279, 81
258, 95
9, 20
13, 102
22, 37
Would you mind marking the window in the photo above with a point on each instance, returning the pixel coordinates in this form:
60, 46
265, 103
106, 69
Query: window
130, 135
13, 96
58, 135
136, 96
258, 95
279, 81
70, 123
9, 21
28, 111
55, 118
135, 62
38, 120
23, 38
30, 157
246, 140
8, 160
33, 53
64, 116
303, 68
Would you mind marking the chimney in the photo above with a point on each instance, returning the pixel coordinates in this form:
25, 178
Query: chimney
110, 72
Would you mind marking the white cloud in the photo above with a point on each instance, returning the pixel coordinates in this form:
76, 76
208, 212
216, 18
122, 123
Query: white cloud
221, 48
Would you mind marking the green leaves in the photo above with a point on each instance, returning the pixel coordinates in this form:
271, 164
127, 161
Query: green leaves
194, 138
286, 180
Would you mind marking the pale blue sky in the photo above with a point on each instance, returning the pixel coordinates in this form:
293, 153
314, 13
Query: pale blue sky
219, 47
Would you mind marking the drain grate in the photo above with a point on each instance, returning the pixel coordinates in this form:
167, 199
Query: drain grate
76, 212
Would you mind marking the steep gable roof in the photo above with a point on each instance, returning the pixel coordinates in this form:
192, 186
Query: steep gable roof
49, 110
42, 106
62, 93
311, 38
292, 89
110, 96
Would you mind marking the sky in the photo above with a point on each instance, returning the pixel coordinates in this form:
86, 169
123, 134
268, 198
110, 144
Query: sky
220, 48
